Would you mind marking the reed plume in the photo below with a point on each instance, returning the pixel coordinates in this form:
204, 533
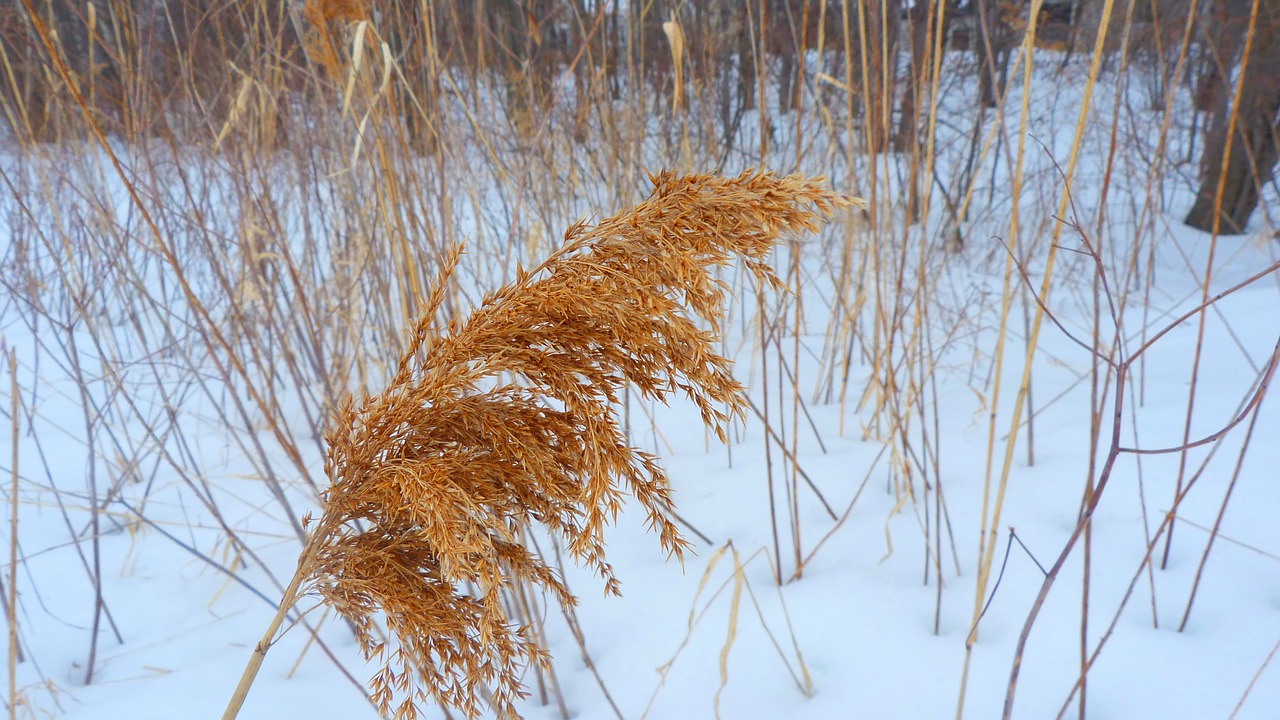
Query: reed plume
508, 419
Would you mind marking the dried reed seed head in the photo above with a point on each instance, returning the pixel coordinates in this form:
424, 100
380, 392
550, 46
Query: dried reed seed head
319, 12
324, 40
437, 478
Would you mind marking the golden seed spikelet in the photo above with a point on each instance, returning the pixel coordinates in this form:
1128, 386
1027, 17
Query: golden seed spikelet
508, 418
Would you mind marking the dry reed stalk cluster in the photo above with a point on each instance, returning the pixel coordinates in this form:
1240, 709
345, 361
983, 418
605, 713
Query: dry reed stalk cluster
508, 419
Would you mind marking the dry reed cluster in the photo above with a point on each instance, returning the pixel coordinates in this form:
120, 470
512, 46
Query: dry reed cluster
509, 418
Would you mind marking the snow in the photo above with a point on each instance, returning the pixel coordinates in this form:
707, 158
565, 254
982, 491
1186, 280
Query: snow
859, 622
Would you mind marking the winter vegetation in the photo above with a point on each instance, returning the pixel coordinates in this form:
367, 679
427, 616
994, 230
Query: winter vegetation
622, 359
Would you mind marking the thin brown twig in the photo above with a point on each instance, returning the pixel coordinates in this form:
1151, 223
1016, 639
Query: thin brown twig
11, 600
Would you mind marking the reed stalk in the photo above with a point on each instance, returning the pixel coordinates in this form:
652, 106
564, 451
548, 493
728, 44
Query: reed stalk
507, 420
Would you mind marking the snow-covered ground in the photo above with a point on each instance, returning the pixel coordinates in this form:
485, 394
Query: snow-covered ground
864, 631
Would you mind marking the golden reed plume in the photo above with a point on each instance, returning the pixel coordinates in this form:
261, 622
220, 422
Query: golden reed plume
509, 419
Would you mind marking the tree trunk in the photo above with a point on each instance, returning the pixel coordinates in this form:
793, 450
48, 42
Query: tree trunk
994, 42
1227, 21
881, 76
917, 86
746, 63
907, 137
1253, 148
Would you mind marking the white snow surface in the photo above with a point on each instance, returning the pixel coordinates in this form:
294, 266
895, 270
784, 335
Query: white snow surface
859, 620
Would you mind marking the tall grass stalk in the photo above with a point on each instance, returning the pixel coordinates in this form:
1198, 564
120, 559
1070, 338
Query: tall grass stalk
11, 596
